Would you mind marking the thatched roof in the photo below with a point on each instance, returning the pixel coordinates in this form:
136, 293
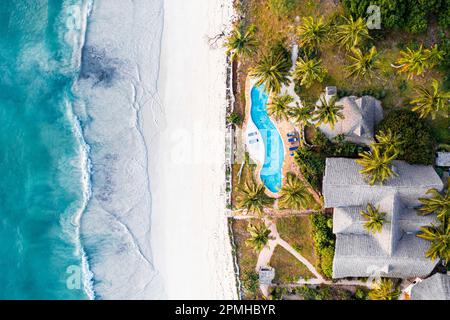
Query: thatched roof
436, 287
396, 249
361, 115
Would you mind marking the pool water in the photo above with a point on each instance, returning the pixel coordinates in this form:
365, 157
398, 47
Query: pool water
271, 172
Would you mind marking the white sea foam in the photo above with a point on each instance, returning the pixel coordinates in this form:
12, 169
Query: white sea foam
119, 69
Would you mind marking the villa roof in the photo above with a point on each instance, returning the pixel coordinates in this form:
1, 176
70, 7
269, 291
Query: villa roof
436, 287
395, 250
360, 117
443, 159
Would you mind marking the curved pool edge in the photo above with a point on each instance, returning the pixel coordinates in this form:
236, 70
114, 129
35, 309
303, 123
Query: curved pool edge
258, 155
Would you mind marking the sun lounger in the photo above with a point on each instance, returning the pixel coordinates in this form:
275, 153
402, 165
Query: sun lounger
292, 139
293, 148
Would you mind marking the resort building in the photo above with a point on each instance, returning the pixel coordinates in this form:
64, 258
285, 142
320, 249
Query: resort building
436, 287
360, 116
443, 159
396, 251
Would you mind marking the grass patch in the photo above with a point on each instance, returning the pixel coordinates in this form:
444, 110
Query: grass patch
246, 257
246, 175
287, 268
297, 231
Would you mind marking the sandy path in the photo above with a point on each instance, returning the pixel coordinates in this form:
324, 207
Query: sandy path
190, 241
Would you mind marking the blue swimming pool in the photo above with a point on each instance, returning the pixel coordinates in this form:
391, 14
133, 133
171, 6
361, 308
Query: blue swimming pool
271, 172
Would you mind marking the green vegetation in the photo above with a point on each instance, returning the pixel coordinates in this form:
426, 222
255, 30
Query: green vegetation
287, 268
312, 32
294, 194
352, 32
439, 235
384, 289
362, 64
297, 231
272, 70
252, 197
279, 108
416, 62
312, 166
438, 203
431, 101
412, 16
377, 164
386, 140
259, 236
309, 71
321, 292
418, 142
375, 218
324, 241
246, 258
234, 118
327, 112
281, 7
241, 42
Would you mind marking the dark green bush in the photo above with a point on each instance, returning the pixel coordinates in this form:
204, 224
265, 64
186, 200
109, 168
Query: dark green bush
312, 166
324, 241
419, 144
409, 15
250, 283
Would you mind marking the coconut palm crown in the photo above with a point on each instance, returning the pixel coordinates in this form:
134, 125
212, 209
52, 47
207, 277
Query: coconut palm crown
259, 236
413, 62
252, 198
375, 218
384, 289
312, 32
439, 236
438, 203
294, 194
241, 42
280, 106
272, 71
431, 101
308, 71
327, 112
352, 33
362, 64
377, 164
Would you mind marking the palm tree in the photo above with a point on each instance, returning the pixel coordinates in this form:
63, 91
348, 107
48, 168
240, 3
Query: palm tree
252, 198
327, 112
259, 236
377, 164
431, 101
272, 71
241, 42
352, 33
434, 56
301, 115
375, 218
413, 62
384, 289
308, 71
362, 64
294, 194
279, 108
439, 236
438, 203
387, 139
312, 32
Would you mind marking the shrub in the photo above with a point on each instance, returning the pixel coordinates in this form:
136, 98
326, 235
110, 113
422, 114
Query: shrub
326, 261
419, 144
250, 282
234, 118
360, 294
324, 241
312, 166
281, 7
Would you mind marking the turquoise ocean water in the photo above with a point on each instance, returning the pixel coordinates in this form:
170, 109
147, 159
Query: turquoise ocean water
42, 166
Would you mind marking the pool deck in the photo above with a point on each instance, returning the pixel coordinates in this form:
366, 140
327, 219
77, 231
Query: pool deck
284, 127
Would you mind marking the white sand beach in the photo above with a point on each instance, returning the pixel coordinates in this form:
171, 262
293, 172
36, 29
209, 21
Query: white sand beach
185, 136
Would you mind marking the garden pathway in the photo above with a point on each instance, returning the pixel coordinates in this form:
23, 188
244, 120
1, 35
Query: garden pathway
266, 254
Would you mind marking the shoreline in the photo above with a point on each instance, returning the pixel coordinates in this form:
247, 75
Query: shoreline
186, 142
